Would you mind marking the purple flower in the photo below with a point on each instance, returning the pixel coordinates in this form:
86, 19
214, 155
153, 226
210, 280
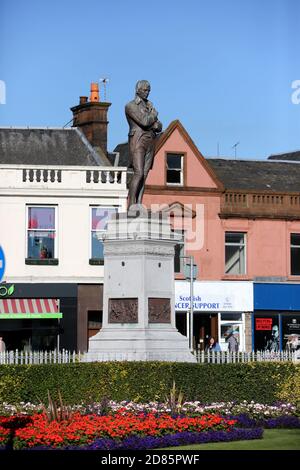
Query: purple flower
171, 440
282, 422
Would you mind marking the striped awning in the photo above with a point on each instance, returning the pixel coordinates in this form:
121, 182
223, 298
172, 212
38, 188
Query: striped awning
29, 308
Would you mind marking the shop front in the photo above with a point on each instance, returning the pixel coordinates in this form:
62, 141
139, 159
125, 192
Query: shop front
30, 324
220, 309
48, 316
38, 317
276, 320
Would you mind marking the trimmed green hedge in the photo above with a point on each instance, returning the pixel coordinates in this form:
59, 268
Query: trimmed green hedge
145, 381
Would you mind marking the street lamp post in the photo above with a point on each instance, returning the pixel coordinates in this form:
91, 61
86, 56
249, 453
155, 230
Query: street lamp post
192, 303
190, 274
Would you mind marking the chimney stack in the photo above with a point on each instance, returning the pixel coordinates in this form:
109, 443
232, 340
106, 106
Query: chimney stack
91, 118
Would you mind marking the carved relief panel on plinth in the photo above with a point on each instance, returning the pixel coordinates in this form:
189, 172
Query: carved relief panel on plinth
123, 310
159, 310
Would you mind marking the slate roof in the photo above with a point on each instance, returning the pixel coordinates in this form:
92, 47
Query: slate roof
46, 146
291, 156
257, 175
246, 174
123, 150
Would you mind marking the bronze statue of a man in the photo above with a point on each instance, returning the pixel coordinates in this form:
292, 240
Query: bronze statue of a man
143, 128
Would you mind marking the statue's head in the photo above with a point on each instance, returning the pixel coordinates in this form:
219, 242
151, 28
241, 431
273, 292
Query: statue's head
142, 89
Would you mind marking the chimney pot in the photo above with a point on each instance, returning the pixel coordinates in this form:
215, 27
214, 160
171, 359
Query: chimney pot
94, 96
83, 99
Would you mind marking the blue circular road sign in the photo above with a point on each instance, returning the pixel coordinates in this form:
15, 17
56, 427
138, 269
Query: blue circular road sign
2, 263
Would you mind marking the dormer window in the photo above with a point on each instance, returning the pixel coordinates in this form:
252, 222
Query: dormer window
174, 169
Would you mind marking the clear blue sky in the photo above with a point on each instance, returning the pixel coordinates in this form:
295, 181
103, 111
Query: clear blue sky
223, 67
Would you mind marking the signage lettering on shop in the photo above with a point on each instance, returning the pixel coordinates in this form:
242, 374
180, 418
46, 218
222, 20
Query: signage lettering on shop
198, 304
293, 326
263, 324
214, 296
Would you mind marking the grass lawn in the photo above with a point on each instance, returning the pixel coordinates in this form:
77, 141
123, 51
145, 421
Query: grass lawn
274, 439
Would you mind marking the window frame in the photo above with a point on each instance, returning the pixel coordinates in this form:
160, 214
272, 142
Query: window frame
182, 170
236, 244
92, 260
291, 248
55, 231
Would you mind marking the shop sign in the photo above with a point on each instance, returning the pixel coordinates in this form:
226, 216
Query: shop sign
6, 291
215, 296
12, 309
264, 324
295, 325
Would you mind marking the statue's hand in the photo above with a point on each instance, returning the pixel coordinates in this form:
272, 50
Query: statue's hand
157, 126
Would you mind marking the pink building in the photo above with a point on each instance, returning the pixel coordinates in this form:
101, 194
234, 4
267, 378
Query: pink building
241, 222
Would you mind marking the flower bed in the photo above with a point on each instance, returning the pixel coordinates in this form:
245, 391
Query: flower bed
85, 430
283, 422
127, 425
4, 437
172, 440
255, 410
8, 426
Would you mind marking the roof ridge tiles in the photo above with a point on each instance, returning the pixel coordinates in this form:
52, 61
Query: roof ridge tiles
252, 160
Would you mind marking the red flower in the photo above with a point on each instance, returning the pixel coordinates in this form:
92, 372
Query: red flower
85, 429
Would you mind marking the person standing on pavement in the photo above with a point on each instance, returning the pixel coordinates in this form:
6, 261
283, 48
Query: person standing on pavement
233, 344
2, 345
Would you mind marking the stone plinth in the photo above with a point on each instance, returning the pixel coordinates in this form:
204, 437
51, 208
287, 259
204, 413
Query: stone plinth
138, 303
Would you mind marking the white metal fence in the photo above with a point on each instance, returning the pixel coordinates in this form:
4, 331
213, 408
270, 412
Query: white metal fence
225, 357
39, 357
64, 357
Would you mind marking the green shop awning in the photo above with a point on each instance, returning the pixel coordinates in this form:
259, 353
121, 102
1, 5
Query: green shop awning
29, 308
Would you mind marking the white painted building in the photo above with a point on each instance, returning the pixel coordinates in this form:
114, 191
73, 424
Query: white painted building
56, 195
71, 200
